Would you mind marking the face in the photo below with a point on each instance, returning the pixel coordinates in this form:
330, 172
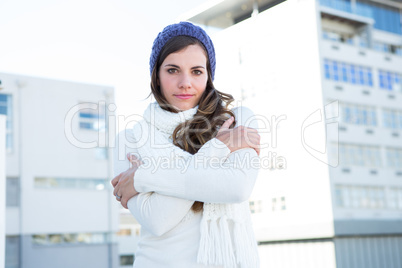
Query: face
183, 77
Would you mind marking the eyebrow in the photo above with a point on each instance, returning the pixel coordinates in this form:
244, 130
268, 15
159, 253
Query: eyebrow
173, 65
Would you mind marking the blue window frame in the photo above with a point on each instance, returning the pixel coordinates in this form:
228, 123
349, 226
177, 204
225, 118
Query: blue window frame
353, 74
6, 109
344, 72
369, 77
390, 81
385, 18
361, 76
326, 68
91, 118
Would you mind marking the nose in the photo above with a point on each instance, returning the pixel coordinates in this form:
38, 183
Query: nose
185, 81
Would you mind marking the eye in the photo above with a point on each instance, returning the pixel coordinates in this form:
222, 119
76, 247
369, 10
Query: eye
172, 70
197, 72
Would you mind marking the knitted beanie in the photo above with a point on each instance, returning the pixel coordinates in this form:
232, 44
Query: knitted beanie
182, 28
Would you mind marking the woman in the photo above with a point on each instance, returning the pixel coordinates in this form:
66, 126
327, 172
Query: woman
193, 173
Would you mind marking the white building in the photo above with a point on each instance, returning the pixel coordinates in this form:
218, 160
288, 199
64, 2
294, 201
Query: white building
59, 207
2, 188
326, 79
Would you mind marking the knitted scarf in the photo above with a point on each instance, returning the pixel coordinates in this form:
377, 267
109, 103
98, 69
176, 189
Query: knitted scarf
227, 236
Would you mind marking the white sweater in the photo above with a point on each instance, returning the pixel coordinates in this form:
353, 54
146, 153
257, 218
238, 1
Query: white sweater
170, 230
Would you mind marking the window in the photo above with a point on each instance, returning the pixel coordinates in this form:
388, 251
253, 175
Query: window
12, 252
92, 116
359, 155
394, 157
358, 114
386, 18
126, 260
256, 206
392, 118
395, 198
283, 203
348, 73
390, 81
70, 183
124, 232
278, 203
360, 196
387, 48
12, 192
337, 36
62, 239
6, 109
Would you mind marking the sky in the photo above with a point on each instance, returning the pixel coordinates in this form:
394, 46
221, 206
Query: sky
104, 42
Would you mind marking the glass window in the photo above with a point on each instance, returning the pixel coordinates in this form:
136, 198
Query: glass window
92, 119
361, 75
326, 68
70, 183
84, 238
6, 109
101, 153
344, 72
274, 204
12, 253
39, 239
55, 239
394, 157
400, 198
69, 238
353, 74
338, 196
126, 260
392, 119
12, 192
335, 70
283, 203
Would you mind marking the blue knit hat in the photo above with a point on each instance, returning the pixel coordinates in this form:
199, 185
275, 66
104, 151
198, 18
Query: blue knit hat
182, 28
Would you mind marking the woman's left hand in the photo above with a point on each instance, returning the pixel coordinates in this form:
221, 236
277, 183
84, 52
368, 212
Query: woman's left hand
124, 183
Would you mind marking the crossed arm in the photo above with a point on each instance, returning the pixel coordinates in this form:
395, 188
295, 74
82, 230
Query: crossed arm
166, 195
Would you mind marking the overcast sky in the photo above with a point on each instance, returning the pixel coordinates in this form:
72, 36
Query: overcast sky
105, 42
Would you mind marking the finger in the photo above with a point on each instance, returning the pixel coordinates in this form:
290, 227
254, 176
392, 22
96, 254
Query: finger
134, 160
124, 203
115, 191
115, 181
226, 124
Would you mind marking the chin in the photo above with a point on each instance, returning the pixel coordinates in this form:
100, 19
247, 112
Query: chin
184, 107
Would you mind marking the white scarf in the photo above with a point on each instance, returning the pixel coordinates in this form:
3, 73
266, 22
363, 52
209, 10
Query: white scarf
218, 245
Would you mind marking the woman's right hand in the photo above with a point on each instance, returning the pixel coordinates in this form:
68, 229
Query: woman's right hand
239, 137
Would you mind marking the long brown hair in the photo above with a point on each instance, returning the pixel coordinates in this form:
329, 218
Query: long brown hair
212, 109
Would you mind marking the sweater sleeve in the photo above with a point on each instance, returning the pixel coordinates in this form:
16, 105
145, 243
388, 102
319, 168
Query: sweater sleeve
212, 175
155, 212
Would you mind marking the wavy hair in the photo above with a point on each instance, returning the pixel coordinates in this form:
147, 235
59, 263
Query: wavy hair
212, 111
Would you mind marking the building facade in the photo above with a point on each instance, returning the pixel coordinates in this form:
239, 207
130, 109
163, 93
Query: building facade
2, 188
325, 79
59, 207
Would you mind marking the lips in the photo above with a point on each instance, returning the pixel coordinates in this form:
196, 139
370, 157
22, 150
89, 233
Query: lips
184, 96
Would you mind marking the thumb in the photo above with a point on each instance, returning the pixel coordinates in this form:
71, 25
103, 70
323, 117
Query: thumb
226, 124
133, 159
